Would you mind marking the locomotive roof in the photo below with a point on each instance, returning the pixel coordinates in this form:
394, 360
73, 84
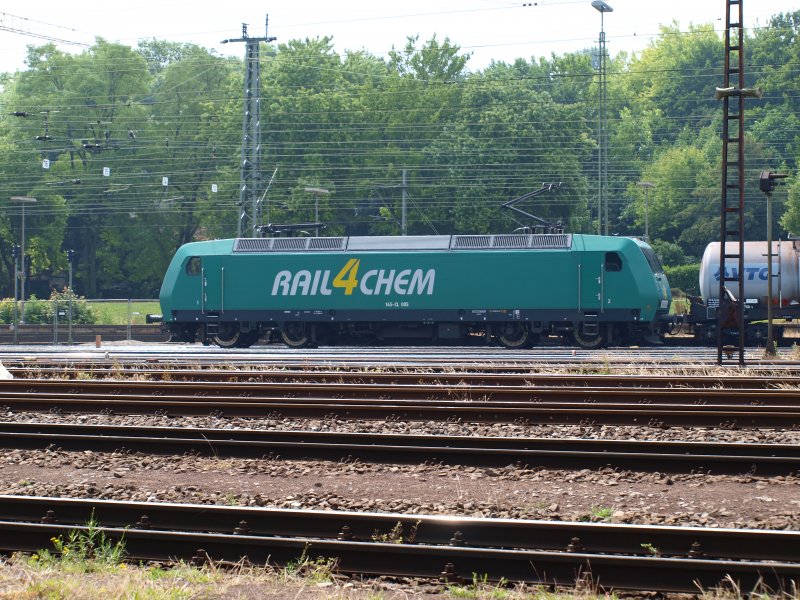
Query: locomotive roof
411, 243
405, 243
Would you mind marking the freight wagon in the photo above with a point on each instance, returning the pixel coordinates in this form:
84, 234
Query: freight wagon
785, 288
510, 289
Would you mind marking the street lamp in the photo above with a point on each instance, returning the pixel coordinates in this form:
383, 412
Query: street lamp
317, 193
23, 200
602, 202
646, 185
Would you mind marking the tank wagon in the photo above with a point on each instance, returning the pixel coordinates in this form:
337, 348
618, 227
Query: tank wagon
785, 288
511, 288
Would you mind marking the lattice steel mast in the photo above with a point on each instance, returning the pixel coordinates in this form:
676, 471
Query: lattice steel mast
250, 168
730, 313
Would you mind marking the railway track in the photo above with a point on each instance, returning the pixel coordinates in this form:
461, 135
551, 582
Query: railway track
654, 407
673, 457
677, 559
191, 373
408, 357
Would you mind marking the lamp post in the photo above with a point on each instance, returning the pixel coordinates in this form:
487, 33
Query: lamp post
317, 193
23, 200
16, 281
646, 185
70, 260
602, 159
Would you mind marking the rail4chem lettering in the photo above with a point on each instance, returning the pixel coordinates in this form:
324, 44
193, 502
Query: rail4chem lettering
374, 282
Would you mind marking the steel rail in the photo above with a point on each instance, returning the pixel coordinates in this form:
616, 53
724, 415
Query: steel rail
191, 373
534, 534
537, 412
451, 563
469, 393
405, 356
675, 457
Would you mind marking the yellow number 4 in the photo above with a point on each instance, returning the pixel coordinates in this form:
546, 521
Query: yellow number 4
347, 276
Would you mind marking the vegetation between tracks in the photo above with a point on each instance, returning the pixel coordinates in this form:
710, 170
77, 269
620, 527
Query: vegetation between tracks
87, 564
22, 578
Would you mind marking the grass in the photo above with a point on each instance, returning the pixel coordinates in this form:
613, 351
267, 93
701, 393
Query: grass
115, 312
119, 312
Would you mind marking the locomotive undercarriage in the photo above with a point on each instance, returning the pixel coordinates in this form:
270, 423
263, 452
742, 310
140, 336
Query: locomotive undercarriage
588, 335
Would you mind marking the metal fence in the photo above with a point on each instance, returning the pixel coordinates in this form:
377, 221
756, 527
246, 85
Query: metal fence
64, 322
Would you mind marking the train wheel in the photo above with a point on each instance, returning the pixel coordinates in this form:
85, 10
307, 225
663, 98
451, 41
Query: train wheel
515, 335
295, 335
589, 341
228, 336
247, 339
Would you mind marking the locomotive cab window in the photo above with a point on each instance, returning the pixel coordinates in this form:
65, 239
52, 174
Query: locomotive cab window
652, 260
193, 266
613, 262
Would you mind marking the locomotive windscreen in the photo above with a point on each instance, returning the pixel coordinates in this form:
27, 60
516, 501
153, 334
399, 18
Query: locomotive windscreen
652, 259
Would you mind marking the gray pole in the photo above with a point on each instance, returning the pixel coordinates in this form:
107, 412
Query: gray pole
770, 350
603, 134
646, 185
316, 191
602, 147
405, 199
23, 200
69, 336
16, 280
22, 262
767, 182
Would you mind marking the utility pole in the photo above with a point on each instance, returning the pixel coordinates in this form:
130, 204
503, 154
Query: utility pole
403, 227
317, 193
646, 185
602, 124
70, 260
250, 169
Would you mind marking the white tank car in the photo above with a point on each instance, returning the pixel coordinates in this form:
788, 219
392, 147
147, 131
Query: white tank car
785, 274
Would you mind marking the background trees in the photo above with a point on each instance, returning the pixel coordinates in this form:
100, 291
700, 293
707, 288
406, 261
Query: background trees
137, 139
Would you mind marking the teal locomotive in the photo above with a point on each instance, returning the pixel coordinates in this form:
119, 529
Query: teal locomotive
509, 288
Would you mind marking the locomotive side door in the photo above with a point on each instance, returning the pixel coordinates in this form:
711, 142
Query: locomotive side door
590, 283
213, 277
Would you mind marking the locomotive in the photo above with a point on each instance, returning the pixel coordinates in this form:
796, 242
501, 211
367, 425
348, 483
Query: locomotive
512, 289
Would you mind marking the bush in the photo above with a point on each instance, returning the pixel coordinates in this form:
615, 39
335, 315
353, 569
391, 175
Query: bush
40, 312
684, 277
82, 313
7, 310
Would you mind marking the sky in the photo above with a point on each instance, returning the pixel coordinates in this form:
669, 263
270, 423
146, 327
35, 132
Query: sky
489, 29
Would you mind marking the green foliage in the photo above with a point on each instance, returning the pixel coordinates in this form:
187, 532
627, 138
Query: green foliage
466, 141
670, 253
7, 310
685, 278
82, 312
316, 570
791, 218
86, 550
41, 312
